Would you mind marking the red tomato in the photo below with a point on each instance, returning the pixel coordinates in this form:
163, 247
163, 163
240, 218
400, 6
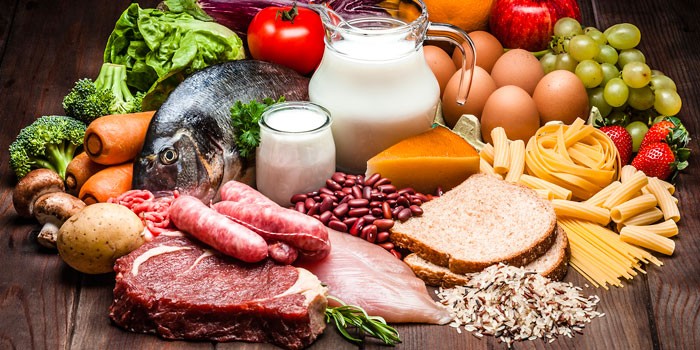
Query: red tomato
295, 40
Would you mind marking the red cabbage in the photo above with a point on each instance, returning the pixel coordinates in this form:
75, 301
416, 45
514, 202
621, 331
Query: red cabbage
237, 14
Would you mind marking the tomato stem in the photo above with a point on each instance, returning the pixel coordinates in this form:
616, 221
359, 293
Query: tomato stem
288, 15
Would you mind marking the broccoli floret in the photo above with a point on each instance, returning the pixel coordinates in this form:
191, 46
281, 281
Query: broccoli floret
50, 142
108, 94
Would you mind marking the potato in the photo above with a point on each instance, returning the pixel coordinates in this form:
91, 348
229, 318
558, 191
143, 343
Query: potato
92, 240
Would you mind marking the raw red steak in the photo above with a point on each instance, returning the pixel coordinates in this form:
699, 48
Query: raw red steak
180, 289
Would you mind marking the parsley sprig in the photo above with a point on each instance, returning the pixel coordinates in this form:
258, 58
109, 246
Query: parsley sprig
245, 118
346, 316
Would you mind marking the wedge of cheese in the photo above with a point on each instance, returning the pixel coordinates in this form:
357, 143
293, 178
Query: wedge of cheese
435, 158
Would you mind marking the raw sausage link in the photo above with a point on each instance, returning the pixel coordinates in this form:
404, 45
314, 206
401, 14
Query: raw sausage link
189, 214
282, 253
239, 192
275, 223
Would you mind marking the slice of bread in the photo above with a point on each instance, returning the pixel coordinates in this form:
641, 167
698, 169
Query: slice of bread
482, 221
553, 264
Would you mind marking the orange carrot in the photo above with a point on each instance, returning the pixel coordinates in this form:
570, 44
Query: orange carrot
118, 138
79, 170
106, 183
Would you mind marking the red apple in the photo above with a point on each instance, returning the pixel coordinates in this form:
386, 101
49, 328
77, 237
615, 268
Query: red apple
529, 24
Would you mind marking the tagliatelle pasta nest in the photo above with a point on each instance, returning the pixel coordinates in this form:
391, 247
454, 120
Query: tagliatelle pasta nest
577, 157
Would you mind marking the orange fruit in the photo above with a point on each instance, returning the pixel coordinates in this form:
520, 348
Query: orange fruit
470, 15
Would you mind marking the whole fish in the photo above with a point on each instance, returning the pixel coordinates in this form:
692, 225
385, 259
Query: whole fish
190, 143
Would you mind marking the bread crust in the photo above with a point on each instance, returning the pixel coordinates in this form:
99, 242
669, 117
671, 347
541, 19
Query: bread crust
523, 256
440, 276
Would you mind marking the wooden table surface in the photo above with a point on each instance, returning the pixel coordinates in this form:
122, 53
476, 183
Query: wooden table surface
45, 46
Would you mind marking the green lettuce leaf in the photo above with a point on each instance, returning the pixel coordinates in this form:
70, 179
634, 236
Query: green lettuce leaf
160, 48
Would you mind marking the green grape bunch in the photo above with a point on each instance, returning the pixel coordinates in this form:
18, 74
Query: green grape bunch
614, 72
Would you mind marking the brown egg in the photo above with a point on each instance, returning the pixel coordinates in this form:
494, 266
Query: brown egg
560, 95
481, 88
440, 63
518, 67
488, 50
513, 109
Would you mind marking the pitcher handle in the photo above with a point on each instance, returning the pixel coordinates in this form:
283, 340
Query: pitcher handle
456, 36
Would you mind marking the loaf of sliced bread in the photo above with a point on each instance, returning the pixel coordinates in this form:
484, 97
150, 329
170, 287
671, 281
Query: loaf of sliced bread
482, 221
553, 264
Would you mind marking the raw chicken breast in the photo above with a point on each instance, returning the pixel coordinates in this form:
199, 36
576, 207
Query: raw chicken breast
364, 274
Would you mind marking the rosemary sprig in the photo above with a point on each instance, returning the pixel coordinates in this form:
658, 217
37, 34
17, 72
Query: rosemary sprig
345, 316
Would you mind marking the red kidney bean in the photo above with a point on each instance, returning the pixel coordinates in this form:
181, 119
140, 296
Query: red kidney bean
362, 206
439, 191
299, 197
370, 233
367, 192
407, 190
382, 181
356, 228
349, 221
358, 202
395, 253
338, 225
369, 218
387, 245
383, 236
395, 211
331, 184
386, 209
404, 214
314, 209
338, 177
316, 216
357, 192
372, 179
326, 205
325, 217
358, 212
377, 196
341, 210
403, 201
300, 207
387, 188
422, 197
416, 210
384, 224
332, 197
308, 203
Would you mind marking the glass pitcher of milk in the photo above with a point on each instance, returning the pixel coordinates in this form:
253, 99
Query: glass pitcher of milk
374, 79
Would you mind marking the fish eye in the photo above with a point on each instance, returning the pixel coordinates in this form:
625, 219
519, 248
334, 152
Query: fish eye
168, 156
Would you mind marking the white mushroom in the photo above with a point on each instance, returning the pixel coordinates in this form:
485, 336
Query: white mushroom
52, 210
32, 186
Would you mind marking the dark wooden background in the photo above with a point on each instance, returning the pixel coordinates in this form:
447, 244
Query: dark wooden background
46, 45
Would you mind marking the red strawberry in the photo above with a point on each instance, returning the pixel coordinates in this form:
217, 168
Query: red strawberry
622, 140
670, 130
658, 160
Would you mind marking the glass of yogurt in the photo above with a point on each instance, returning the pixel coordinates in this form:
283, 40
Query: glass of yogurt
296, 152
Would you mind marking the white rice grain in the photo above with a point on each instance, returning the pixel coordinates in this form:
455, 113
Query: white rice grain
514, 304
